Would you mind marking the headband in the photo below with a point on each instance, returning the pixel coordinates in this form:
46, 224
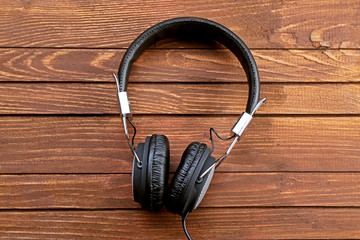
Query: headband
198, 28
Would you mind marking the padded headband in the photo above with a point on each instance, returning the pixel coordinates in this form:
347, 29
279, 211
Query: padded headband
190, 27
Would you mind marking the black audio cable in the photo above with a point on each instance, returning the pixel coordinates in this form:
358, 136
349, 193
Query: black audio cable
184, 217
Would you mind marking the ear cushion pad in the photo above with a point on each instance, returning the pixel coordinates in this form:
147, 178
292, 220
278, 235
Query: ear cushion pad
158, 170
189, 161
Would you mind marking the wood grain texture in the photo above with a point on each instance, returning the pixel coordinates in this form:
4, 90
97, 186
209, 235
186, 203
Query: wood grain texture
254, 223
97, 144
226, 190
77, 98
89, 65
264, 24
65, 169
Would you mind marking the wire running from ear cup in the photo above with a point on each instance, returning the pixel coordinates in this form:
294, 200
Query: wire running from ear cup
238, 130
184, 226
212, 130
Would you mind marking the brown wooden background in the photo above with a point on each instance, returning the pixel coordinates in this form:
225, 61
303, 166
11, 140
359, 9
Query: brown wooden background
64, 163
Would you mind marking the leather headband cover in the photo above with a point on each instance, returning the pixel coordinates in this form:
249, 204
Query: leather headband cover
194, 28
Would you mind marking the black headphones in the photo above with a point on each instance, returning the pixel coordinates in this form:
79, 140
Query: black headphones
151, 159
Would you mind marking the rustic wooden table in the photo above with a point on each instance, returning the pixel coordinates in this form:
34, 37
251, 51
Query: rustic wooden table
65, 169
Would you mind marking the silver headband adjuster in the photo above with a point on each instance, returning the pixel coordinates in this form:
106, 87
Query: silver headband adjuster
125, 109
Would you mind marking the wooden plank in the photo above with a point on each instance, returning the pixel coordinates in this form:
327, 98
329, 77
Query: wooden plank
241, 190
266, 24
254, 223
97, 144
188, 65
178, 98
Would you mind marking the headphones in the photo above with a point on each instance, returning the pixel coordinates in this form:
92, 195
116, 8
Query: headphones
150, 170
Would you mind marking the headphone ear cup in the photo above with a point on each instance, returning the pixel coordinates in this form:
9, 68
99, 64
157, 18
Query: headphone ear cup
184, 190
151, 178
158, 171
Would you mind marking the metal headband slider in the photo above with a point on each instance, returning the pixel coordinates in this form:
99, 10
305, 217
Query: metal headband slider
123, 97
241, 124
245, 119
124, 103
